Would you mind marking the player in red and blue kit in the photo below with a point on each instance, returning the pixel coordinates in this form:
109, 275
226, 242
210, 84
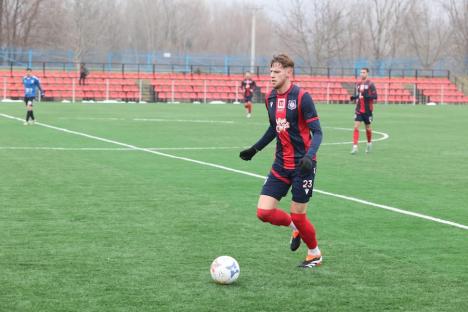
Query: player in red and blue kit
30, 83
248, 87
293, 118
364, 95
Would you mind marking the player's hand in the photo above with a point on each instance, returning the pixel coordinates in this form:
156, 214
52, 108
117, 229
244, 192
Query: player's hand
248, 153
306, 165
42, 94
352, 98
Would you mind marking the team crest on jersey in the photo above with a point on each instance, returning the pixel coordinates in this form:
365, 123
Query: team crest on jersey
281, 124
281, 104
271, 104
292, 104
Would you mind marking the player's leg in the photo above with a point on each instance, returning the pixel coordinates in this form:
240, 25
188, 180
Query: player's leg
248, 105
369, 134
29, 112
33, 119
302, 188
307, 233
357, 124
273, 190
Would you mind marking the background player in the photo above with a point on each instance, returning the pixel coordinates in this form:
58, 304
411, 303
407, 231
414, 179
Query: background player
364, 95
248, 87
84, 72
30, 83
293, 117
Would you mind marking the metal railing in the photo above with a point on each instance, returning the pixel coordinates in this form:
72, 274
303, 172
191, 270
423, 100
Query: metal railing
129, 68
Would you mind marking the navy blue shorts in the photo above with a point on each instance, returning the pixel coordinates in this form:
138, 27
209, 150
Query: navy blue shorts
28, 99
364, 117
248, 98
280, 180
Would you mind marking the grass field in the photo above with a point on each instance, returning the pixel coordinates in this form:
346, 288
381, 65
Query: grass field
90, 225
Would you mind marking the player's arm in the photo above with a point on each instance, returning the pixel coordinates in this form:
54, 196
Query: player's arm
267, 137
311, 117
355, 96
38, 84
371, 93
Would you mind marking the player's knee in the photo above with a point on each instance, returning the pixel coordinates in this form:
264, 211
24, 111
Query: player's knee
264, 214
298, 218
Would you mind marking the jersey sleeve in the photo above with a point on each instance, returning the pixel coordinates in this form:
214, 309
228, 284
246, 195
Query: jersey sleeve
37, 82
371, 92
268, 136
311, 117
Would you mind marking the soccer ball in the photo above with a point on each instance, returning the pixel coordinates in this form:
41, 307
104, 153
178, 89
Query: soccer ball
225, 270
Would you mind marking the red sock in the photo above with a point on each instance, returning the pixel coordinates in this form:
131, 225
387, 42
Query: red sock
274, 216
356, 136
369, 135
306, 229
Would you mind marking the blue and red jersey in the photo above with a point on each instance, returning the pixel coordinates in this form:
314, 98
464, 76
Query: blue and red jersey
367, 89
292, 117
248, 85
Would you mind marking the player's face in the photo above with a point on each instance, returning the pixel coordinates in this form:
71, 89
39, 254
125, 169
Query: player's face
363, 74
28, 73
247, 76
279, 75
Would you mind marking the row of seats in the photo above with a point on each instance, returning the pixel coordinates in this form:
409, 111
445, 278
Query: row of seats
50, 87
225, 87
97, 95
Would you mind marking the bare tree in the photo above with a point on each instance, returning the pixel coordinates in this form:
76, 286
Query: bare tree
458, 15
384, 25
315, 31
428, 34
18, 18
2, 16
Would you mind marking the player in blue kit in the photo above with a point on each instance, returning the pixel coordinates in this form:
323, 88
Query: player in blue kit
30, 83
295, 125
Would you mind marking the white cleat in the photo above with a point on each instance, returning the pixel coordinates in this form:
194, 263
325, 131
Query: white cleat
25, 123
354, 150
369, 147
248, 115
32, 122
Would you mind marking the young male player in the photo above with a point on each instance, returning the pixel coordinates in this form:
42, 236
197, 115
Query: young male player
292, 117
248, 87
30, 83
365, 94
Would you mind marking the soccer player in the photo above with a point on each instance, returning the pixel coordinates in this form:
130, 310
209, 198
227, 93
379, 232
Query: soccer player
83, 74
364, 95
292, 118
248, 87
30, 83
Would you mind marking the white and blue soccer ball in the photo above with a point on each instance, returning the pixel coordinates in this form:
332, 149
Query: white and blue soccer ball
225, 270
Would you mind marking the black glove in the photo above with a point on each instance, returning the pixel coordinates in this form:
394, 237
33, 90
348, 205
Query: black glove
248, 153
353, 98
306, 165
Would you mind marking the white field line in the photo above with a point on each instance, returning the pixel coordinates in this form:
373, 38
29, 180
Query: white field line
384, 137
383, 134
184, 120
349, 198
116, 148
